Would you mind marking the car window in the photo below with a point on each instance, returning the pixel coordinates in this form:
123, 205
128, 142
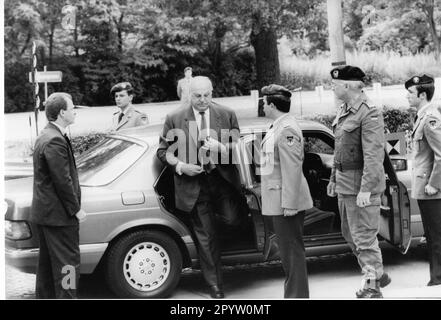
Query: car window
317, 145
105, 162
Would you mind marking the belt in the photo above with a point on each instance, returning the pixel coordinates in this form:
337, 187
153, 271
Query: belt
348, 166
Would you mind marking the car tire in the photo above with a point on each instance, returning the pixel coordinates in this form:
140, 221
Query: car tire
143, 264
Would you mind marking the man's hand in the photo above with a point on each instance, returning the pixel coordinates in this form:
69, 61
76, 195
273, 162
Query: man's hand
289, 212
191, 169
331, 189
363, 199
214, 145
81, 215
429, 190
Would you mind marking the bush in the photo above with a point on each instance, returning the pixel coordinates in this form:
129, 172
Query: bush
388, 68
84, 143
395, 120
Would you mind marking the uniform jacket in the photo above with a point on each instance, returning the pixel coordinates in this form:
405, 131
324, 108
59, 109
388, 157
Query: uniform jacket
359, 148
180, 126
132, 118
56, 191
183, 89
426, 138
283, 182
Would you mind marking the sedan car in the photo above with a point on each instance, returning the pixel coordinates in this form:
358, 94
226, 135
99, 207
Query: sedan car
134, 233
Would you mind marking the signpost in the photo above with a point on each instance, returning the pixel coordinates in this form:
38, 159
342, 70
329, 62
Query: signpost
37, 77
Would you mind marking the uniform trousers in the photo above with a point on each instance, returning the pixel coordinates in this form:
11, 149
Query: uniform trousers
360, 227
289, 232
431, 216
216, 196
58, 262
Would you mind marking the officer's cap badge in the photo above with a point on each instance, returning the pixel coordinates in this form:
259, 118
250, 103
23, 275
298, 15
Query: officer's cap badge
434, 124
335, 74
416, 80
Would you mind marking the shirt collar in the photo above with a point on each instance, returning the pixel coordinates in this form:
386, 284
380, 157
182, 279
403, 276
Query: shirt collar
63, 130
279, 119
357, 102
423, 109
197, 114
127, 110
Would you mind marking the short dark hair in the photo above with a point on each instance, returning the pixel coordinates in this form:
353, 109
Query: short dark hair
187, 68
55, 103
428, 88
281, 102
121, 87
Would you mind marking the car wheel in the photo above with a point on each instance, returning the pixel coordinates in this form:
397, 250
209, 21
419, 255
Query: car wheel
144, 264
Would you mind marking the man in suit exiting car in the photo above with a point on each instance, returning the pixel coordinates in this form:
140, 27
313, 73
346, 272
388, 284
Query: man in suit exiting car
206, 181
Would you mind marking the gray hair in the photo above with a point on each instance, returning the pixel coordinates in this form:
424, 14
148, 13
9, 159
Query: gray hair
199, 81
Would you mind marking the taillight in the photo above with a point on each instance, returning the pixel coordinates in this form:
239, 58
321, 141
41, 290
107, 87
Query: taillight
17, 230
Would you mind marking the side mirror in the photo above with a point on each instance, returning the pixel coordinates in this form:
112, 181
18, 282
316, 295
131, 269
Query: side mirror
399, 164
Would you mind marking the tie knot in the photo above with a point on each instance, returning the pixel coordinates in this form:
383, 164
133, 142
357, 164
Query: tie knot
202, 113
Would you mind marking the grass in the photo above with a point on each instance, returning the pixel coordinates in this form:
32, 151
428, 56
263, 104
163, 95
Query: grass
388, 68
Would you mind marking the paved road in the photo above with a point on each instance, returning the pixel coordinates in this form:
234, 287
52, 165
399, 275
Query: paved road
333, 277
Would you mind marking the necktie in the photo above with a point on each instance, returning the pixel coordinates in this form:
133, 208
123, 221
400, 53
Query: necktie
203, 121
203, 134
121, 115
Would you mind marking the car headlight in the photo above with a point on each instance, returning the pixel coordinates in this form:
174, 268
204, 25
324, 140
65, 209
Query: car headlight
17, 230
399, 164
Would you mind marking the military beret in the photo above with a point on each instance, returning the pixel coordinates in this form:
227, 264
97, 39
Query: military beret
348, 73
418, 80
275, 89
121, 86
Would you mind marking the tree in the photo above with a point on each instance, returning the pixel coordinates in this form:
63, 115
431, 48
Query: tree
413, 23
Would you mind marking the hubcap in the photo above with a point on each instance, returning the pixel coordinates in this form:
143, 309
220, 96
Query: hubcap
146, 266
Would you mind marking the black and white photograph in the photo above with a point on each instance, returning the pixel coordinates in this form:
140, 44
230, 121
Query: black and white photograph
238, 153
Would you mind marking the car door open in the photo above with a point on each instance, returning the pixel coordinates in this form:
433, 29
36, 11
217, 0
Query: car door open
395, 210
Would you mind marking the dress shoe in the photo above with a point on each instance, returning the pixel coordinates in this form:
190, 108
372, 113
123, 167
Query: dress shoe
369, 293
216, 292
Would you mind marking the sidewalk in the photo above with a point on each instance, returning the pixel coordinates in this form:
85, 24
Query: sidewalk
433, 292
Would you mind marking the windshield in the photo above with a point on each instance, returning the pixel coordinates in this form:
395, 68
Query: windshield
105, 162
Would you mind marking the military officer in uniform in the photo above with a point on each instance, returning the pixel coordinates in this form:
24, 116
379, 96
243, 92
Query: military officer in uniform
285, 192
426, 174
127, 116
358, 176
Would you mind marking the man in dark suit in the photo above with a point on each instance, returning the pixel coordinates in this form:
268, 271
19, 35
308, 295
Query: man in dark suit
56, 203
197, 141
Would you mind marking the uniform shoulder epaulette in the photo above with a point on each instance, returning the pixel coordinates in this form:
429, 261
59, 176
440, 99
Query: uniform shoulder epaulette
140, 112
368, 104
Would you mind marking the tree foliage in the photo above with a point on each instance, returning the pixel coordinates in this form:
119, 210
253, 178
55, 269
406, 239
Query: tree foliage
150, 42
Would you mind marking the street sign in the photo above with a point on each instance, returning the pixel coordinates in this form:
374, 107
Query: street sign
47, 76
